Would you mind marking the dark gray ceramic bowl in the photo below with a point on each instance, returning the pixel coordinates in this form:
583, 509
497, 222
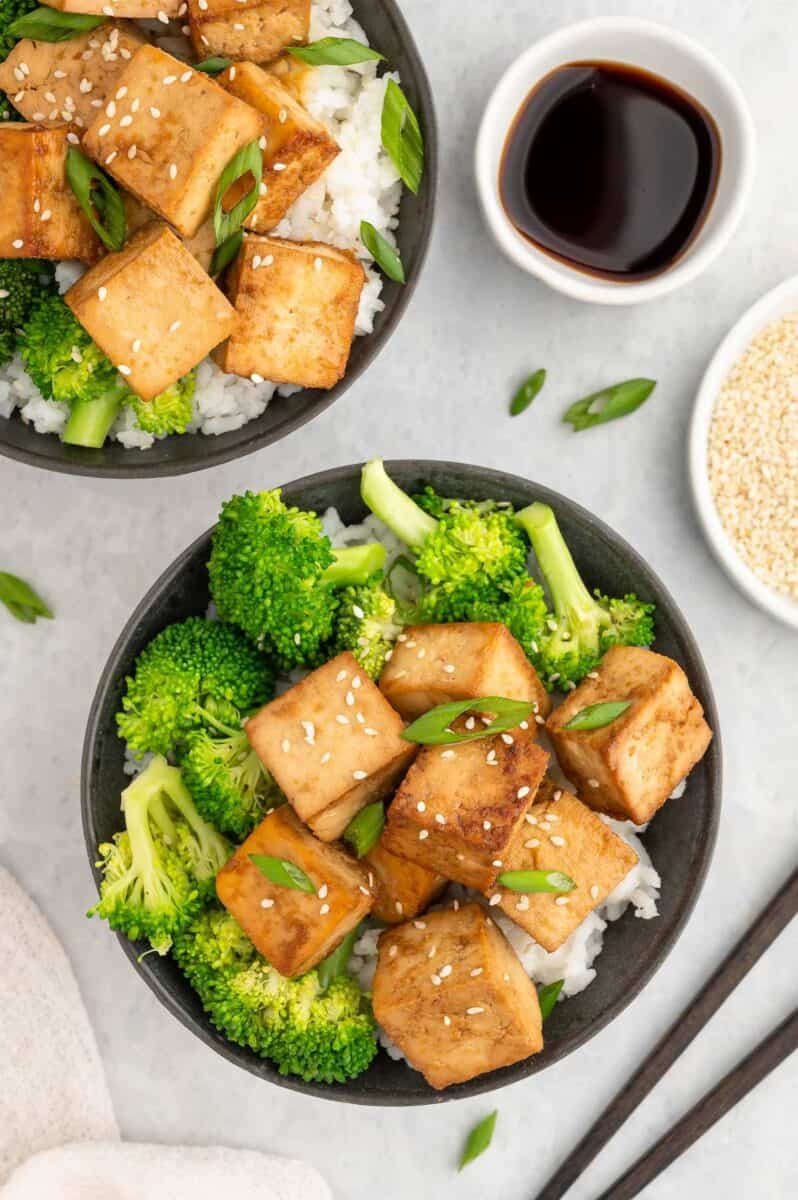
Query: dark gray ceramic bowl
680, 839
388, 31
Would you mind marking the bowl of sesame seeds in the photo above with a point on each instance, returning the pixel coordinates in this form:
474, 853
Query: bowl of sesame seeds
744, 453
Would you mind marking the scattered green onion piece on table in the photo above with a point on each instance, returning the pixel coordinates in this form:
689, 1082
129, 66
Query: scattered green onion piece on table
598, 716
478, 1139
48, 25
548, 996
534, 882
21, 600
382, 252
433, 729
283, 873
98, 198
247, 161
609, 404
334, 964
213, 65
364, 830
527, 393
335, 52
401, 136
224, 254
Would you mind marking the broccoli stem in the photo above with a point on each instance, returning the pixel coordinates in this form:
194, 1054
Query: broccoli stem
355, 565
569, 596
90, 420
393, 506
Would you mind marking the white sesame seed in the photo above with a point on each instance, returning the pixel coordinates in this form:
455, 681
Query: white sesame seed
594, 892
36, 205
594, 783
132, 151
436, 980
285, 745
440, 818
445, 972
523, 792
507, 739
101, 132
18, 243
341, 719
545, 825
497, 862
169, 80
419, 925
448, 754
268, 260
557, 841
523, 904
471, 722
360, 774
184, 78
46, 215
350, 699
421, 806
400, 908
110, 109
102, 293
450, 669
110, 157
173, 175
340, 677
73, 139
267, 903
325, 908
524, 725
423, 835
107, 10
238, 26
562, 901
126, 120
532, 844
447, 1020
356, 682
51, 97
476, 971
394, 950
364, 890
3, 294
530, 819
495, 899
59, 74
322, 892
278, 166
155, 113
473, 1012
400, 674
486, 825
325, 758
456, 903
123, 370
173, 328
557, 796
256, 378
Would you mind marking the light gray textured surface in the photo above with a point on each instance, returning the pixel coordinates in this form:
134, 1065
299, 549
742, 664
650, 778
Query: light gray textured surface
475, 328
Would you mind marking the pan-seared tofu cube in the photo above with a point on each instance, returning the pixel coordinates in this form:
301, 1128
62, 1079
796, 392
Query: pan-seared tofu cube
333, 743
454, 997
297, 303
137, 10
560, 833
630, 767
152, 309
458, 807
39, 215
298, 147
294, 929
170, 135
56, 82
437, 664
402, 889
253, 29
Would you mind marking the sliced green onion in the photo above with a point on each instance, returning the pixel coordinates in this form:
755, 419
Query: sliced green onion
527, 393
364, 830
401, 136
334, 965
282, 873
214, 65
335, 52
609, 404
98, 198
597, 716
48, 25
532, 882
224, 254
478, 1139
548, 996
21, 600
382, 252
247, 161
433, 729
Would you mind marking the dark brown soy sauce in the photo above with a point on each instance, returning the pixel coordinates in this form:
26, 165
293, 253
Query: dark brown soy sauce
610, 169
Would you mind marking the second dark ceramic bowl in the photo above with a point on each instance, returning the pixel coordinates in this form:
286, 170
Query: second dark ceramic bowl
388, 31
680, 838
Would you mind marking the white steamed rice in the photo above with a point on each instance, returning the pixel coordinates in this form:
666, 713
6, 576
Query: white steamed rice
361, 184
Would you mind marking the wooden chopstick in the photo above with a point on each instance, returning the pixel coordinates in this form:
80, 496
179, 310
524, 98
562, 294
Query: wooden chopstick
735, 966
770, 1052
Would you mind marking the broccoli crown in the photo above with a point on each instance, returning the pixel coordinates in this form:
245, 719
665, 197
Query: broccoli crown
61, 358
266, 567
473, 542
192, 675
230, 786
24, 282
160, 870
171, 412
325, 1035
9, 11
367, 624
522, 608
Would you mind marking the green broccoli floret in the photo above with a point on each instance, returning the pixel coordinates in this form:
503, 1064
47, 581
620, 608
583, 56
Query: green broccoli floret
368, 624
581, 627
194, 675
24, 283
160, 871
321, 1034
231, 787
272, 570
171, 412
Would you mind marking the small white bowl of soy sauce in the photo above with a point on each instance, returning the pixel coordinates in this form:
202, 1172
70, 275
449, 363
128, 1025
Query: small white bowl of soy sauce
614, 160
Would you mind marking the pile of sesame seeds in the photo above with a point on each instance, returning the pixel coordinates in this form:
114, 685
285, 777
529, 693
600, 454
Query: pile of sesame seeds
753, 455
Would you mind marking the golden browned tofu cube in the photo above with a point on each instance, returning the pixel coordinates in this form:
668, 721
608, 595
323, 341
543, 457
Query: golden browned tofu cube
254, 29
458, 807
454, 997
630, 767
559, 833
436, 664
297, 303
333, 743
56, 82
294, 929
137, 10
297, 150
170, 135
402, 889
39, 215
152, 309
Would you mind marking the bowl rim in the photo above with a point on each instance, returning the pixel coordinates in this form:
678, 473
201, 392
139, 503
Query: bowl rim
560, 275
137, 467
485, 477
768, 308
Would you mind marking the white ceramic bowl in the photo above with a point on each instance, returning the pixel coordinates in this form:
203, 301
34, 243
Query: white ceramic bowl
663, 52
778, 303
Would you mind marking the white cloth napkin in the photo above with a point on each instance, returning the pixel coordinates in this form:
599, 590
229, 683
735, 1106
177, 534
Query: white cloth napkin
58, 1135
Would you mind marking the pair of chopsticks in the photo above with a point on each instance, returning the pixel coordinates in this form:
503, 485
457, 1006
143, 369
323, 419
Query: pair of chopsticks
775, 1048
